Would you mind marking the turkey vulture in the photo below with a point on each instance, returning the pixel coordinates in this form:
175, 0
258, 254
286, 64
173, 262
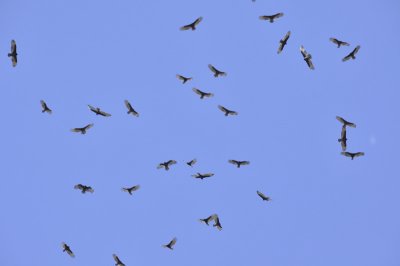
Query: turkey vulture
97, 111
338, 43
13, 53
263, 196
227, 111
67, 249
192, 162
352, 54
202, 176
184, 79
171, 244
271, 18
344, 122
118, 262
217, 222
216, 72
82, 130
283, 42
352, 155
166, 165
343, 138
130, 109
208, 219
45, 108
130, 189
193, 25
307, 57
239, 163
84, 188
202, 93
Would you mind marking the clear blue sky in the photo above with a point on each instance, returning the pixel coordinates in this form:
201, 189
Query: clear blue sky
326, 209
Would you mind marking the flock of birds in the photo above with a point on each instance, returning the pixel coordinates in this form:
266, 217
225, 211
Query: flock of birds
217, 73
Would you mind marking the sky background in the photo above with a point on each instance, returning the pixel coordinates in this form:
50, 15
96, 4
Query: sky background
325, 208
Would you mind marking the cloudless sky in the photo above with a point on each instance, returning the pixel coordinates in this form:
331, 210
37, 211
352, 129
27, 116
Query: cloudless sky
325, 209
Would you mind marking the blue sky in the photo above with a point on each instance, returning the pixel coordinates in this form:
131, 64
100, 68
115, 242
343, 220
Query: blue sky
325, 208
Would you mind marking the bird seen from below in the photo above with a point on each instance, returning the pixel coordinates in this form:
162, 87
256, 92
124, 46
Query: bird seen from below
84, 188
283, 42
166, 164
13, 54
262, 196
345, 123
338, 43
130, 109
82, 130
171, 244
352, 155
352, 55
216, 72
239, 163
67, 249
130, 189
192, 26
203, 94
227, 111
183, 79
271, 18
45, 108
307, 57
192, 162
202, 176
118, 262
343, 138
97, 111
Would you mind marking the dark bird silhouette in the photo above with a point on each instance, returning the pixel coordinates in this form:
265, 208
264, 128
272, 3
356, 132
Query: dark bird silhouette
82, 130
97, 111
239, 163
338, 43
67, 249
130, 109
352, 55
193, 25
45, 108
352, 155
307, 57
271, 18
345, 123
216, 72
118, 262
130, 189
203, 94
171, 244
202, 176
84, 188
184, 79
208, 219
283, 42
166, 165
263, 196
217, 223
343, 138
13, 53
192, 162
227, 111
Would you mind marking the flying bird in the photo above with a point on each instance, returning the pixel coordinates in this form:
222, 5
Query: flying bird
202, 176
82, 130
352, 55
166, 165
45, 108
307, 57
130, 109
184, 79
130, 189
227, 111
171, 244
352, 155
338, 43
345, 123
239, 163
67, 249
216, 72
263, 196
193, 25
271, 18
84, 188
283, 42
118, 262
192, 162
217, 223
13, 53
208, 219
97, 111
203, 94
343, 138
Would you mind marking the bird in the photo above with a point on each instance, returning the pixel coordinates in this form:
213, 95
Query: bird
84, 188
184, 79
217, 223
118, 262
239, 163
307, 57
171, 244
271, 18
82, 130
45, 108
202, 176
192, 162
343, 138
130, 189
97, 111
283, 42
203, 94
13, 53
352, 155
166, 164
227, 111
345, 123
193, 25
208, 219
263, 196
338, 43
130, 109
352, 55
67, 249
216, 72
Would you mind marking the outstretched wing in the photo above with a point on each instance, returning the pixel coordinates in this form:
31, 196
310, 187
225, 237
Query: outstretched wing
265, 17
244, 162
88, 126
303, 51
79, 186
104, 113
128, 104
278, 15
358, 154
347, 57
310, 64
13, 47
197, 91
173, 242
345, 153
343, 138
171, 162
92, 108
233, 162
208, 175
334, 40
197, 21
134, 188
356, 49
77, 129
212, 68
261, 194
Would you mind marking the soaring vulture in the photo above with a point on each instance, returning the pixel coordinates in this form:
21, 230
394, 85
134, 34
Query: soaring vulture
338, 43
13, 53
130, 189
67, 249
192, 26
307, 57
227, 111
239, 163
171, 244
345, 123
352, 55
130, 109
216, 72
203, 94
283, 42
202, 176
343, 138
84, 188
263, 196
192, 162
166, 164
97, 111
118, 262
45, 108
271, 18
82, 130
183, 79
352, 155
